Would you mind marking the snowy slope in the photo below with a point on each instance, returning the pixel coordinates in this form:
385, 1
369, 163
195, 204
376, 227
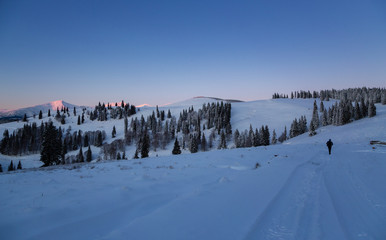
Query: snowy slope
298, 192
30, 111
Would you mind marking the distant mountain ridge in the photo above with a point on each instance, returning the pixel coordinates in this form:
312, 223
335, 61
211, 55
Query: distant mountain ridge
34, 110
220, 99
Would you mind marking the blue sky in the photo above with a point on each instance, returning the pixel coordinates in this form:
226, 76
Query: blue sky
158, 52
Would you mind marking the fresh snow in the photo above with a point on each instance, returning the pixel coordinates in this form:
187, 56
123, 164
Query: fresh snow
30, 111
298, 192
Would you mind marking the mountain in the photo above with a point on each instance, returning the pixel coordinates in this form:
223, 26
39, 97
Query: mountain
30, 111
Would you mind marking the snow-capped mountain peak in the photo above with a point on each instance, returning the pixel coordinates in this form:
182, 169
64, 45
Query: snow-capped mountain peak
34, 110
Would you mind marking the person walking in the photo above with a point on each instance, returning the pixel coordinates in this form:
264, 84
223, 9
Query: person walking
329, 144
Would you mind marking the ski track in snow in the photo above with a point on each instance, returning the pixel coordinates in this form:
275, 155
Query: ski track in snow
294, 212
359, 216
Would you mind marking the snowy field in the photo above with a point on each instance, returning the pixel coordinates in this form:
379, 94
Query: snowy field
298, 192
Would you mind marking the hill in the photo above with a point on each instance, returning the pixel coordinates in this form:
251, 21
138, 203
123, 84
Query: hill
297, 192
30, 111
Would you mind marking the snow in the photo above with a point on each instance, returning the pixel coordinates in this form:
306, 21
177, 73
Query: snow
30, 111
298, 192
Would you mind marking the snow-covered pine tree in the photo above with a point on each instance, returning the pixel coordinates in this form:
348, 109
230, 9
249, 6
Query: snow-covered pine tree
321, 108
383, 97
274, 139
236, 139
193, 143
325, 118
357, 111
283, 136
223, 143
312, 131
126, 125
372, 109
364, 108
315, 116
40, 114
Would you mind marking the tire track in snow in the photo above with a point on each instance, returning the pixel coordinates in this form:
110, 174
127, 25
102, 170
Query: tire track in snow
294, 212
358, 216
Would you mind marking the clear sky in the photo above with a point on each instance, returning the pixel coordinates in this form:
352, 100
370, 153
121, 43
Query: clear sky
158, 52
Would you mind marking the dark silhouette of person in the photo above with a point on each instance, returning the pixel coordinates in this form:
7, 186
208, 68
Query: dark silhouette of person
329, 144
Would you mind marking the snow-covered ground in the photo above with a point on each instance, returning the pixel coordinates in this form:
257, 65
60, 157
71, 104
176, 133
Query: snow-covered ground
298, 192
276, 113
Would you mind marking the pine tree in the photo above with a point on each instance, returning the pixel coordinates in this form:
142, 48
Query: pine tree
236, 139
145, 146
79, 120
74, 111
383, 97
372, 109
312, 130
51, 146
274, 139
89, 154
19, 167
49, 113
126, 125
176, 148
85, 141
25, 118
119, 156
315, 116
325, 118
357, 111
82, 117
99, 141
283, 136
266, 135
63, 119
11, 167
193, 144
114, 132
80, 155
223, 143
203, 143
124, 155
1, 168
136, 154
321, 109
40, 114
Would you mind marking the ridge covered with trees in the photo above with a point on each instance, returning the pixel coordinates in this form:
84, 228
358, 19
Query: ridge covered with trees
194, 130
